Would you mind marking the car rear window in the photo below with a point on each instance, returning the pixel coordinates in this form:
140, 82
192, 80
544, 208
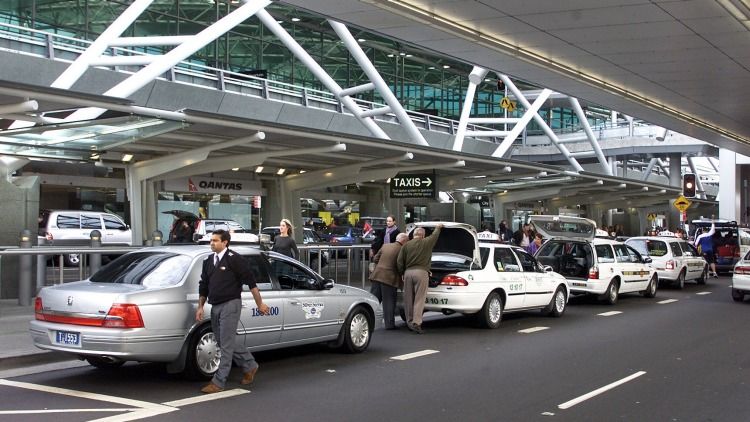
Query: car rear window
649, 247
150, 269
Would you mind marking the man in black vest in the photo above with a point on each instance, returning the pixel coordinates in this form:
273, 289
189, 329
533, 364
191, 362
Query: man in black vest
224, 273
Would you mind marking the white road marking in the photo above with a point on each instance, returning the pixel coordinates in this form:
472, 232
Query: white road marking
41, 411
575, 401
415, 354
206, 397
548, 414
703, 293
533, 330
667, 301
610, 313
331, 371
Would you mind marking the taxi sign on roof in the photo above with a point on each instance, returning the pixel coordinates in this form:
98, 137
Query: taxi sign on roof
667, 233
487, 236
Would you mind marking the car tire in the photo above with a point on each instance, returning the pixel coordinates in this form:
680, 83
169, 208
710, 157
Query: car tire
704, 276
680, 282
738, 295
652, 287
492, 312
557, 304
357, 330
612, 293
102, 363
203, 354
72, 259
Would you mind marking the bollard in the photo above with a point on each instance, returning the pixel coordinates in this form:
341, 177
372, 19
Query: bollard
95, 259
24, 270
157, 238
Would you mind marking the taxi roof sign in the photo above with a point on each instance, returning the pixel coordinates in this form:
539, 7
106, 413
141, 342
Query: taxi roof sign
682, 203
488, 236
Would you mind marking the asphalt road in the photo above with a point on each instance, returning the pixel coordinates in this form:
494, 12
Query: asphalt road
686, 360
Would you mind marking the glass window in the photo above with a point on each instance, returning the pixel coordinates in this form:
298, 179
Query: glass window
676, 250
91, 221
528, 263
138, 267
622, 253
505, 260
604, 254
68, 221
649, 247
292, 276
634, 255
484, 254
112, 222
260, 273
687, 247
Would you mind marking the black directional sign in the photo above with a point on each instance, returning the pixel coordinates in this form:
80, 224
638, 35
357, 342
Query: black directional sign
422, 185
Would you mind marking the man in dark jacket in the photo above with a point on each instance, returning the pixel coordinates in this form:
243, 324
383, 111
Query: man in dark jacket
224, 272
504, 232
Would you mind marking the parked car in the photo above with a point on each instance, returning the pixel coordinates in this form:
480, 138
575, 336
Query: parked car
141, 308
485, 280
343, 236
730, 242
603, 267
741, 279
73, 228
200, 229
310, 237
674, 259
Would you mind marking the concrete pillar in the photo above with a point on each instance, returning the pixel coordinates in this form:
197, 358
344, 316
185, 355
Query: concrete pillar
675, 179
729, 186
19, 209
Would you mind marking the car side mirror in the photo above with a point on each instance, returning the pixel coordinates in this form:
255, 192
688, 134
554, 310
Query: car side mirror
688, 253
123, 228
648, 260
328, 283
196, 237
548, 269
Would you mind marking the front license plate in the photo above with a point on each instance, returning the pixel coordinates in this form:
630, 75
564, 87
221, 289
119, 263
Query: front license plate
68, 338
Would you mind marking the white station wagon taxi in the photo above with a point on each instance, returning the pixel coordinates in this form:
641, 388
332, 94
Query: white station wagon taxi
674, 259
488, 279
602, 267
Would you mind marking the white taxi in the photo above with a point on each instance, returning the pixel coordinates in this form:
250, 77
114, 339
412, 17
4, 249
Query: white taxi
603, 267
674, 259
741, 279
488, 279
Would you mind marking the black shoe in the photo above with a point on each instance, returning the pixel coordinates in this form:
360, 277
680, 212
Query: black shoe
417, 329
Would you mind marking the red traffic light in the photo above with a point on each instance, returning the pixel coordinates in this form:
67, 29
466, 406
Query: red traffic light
688, 185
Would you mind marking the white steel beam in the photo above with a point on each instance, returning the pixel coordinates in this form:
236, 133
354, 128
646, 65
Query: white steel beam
382, 88
299, 52
538, 119
649, 169
22, 107
149, 41
165, 62
123, 60
530, 112
475, 78
589, 133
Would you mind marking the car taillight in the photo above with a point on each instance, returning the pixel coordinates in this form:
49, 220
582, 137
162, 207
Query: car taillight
454, 280
38, 308
123, 315
670, 265
737, 270
334, 240
594, 273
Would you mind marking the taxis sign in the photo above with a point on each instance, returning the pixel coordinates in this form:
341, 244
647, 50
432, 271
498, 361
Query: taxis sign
682, 203
414, 186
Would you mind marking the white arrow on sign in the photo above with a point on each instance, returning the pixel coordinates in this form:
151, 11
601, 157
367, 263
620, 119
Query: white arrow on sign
427, 182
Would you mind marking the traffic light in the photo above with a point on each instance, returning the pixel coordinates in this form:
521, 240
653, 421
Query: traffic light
688, 185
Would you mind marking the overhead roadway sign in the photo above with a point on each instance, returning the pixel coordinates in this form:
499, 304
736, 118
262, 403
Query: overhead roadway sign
682, 203
423, 185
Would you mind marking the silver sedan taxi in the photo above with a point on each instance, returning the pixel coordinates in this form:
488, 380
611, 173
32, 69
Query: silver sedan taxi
141, 307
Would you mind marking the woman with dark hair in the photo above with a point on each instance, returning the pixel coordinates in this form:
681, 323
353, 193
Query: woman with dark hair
284, 242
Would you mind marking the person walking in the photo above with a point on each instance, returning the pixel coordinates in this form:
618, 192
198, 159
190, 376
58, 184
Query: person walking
284, 242
504, 232
413, 262
222, 276
387, 277
705, 244
523, 236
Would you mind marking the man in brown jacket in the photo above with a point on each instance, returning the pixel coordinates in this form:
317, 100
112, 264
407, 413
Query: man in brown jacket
387, 276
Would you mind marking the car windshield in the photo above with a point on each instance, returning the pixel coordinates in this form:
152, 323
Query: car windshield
150, 269
649, 247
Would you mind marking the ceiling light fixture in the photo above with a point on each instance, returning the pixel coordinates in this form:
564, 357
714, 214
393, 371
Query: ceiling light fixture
235, 169
296, 19
280, 171
259, 169
127, 157
302, 171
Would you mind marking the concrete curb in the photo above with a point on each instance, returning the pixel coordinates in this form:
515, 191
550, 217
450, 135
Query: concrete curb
32, 359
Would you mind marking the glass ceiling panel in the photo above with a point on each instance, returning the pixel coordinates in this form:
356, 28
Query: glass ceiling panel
78, 140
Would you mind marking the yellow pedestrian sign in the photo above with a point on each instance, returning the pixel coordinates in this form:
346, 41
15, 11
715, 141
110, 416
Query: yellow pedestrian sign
507, 104
682, 203
651, 216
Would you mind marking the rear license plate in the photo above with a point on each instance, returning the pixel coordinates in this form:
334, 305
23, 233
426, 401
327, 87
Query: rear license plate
68, 338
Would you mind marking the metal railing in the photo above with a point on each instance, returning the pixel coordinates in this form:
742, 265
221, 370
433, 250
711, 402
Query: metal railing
344, 264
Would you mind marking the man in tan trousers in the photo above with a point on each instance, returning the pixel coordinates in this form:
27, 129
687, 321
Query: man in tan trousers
414, 261
386, 274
